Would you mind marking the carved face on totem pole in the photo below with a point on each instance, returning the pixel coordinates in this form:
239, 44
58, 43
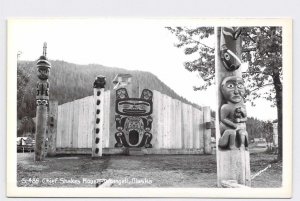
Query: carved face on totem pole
100, 81
233, 89
43, 67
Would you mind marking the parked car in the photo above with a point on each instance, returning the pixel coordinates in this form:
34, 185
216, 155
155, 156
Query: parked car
261, 143
25, 144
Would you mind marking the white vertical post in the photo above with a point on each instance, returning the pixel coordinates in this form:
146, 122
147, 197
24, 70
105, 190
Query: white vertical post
207, 131
99, 85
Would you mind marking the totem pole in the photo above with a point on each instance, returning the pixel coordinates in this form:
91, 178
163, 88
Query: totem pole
52, 127
232, 152
99, 85
42, 101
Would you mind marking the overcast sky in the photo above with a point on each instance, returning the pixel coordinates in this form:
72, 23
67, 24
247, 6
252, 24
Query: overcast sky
134, 45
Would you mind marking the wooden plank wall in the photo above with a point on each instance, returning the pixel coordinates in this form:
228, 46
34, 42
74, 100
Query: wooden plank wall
76, 123
176, 125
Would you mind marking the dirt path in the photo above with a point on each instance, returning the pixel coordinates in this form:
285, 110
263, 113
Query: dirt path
135, 171
126, 171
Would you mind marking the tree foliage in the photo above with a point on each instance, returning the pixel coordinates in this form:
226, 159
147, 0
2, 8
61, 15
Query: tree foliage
262, 50
25, 125
191, 40
259, 129
22, 81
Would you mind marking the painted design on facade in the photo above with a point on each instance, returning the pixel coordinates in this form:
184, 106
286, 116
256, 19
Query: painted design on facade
133, 120
233, 114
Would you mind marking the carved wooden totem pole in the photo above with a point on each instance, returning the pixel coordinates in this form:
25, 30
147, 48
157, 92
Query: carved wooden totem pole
52, 127
99, 85
42, 101
233, 154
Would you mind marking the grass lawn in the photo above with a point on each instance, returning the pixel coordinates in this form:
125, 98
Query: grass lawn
272, 177
136, 171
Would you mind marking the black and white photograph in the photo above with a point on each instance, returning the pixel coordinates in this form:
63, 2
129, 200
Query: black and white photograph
149, 107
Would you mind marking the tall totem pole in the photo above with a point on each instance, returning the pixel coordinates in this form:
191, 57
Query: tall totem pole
232, 154
42, 102
99, 85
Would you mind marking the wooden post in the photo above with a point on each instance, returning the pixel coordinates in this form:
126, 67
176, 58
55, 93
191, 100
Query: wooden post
42, 101
52, 127
232, 144
207, 131
99, 85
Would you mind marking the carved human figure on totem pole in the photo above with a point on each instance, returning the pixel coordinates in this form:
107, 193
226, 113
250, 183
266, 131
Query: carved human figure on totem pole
233, 114
133, 120
42, 87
